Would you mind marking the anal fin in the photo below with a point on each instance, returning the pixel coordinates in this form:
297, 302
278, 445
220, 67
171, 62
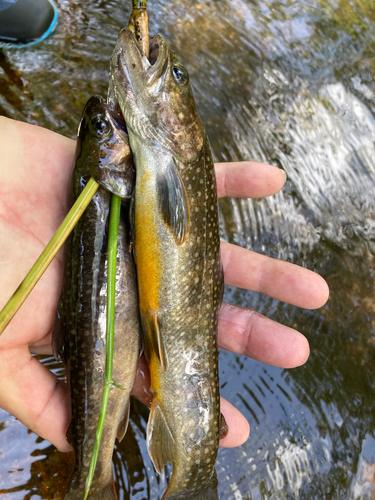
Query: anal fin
123, 426
160, 442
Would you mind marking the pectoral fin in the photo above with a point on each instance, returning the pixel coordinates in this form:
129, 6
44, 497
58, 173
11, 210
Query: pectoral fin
152, 340
160, 442
60, 345
174, 203
223, 427
132, 219
123, 427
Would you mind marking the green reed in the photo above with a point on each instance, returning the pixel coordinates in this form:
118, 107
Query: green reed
48, 254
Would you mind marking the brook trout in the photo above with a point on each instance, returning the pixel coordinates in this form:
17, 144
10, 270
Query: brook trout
80, 327
177, 255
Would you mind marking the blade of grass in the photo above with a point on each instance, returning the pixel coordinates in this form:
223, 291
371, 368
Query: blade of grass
138, 23
110, 330
48, 254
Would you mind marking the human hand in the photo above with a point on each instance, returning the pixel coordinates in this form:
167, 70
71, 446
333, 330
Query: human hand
35, 170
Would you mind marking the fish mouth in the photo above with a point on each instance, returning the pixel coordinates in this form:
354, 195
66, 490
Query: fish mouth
154, 50
118, 118
134, 68
157, 45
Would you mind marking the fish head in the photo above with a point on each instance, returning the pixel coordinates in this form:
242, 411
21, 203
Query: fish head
103, 146
155, 95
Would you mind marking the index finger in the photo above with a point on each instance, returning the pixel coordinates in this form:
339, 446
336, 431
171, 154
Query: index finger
248, 179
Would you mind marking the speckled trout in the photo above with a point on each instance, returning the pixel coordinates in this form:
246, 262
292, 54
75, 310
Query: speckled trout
80, 327
177, 254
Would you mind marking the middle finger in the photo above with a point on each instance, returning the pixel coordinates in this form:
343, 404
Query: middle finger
273, 277
247, 332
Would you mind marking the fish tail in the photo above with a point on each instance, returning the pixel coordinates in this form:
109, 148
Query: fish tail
107, 493
207, 493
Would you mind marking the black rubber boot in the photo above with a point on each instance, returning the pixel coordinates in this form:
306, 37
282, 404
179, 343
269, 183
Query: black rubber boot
25, 22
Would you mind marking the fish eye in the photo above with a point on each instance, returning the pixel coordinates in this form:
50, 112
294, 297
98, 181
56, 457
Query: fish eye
101, 127
179, 75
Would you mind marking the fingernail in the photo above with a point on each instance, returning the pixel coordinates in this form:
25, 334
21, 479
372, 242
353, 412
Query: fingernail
284, 174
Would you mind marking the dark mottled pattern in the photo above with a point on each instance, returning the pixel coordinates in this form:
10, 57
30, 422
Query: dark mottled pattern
80, 331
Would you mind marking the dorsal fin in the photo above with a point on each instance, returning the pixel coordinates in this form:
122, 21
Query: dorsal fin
174, 203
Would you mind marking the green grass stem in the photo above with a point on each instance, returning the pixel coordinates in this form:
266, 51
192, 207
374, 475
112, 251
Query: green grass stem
111, 287
139, 3
110, 331
48, 254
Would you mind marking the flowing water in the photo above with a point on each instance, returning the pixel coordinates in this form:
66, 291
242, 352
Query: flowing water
289, 82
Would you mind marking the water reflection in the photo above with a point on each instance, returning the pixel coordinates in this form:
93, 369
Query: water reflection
289, 82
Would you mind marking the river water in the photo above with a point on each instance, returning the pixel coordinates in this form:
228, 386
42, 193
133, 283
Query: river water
288, 82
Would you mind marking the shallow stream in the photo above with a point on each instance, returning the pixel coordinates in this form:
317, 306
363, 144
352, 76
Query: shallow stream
288, 82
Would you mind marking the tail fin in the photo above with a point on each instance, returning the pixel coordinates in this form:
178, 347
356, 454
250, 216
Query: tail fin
209, 492
107, 493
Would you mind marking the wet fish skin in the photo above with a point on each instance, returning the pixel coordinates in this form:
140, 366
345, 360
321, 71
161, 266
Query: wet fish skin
177, 253
80, 328
103, 148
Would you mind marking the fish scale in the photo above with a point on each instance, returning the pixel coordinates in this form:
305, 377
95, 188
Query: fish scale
79, 336
194, 331
177, 253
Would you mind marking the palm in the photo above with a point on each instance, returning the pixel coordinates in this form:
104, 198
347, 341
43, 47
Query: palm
35, 176
36, 166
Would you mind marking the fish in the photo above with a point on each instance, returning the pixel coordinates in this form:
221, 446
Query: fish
79, 336
174, 216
